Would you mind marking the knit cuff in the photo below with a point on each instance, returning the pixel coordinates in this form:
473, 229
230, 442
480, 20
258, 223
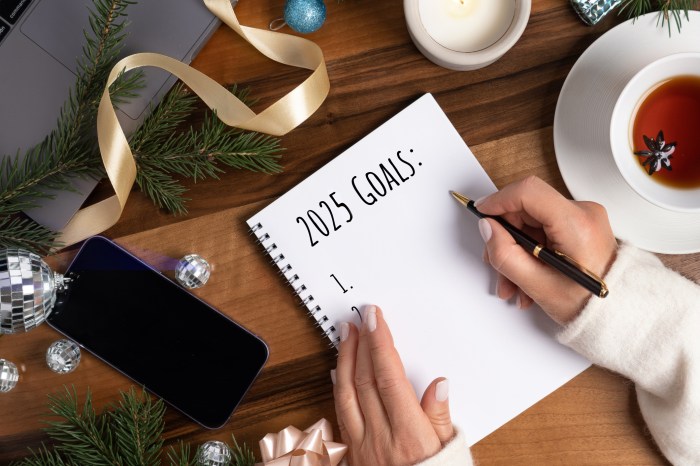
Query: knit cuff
647, 330
646, 303
454, 453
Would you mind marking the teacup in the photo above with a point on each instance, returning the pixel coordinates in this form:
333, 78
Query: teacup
645, 88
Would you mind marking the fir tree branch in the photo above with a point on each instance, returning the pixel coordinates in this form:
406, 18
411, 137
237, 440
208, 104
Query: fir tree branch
162, 121
82, 436
26, 179
24, 233
42, 457
198, 154
676, 9
128, 435
164, 190
182, 456
241, 455
138, 426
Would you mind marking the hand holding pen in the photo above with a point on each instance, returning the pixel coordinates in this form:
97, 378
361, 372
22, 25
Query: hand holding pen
579, 229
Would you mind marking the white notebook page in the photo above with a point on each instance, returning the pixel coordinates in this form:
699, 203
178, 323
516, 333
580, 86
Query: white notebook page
392, 235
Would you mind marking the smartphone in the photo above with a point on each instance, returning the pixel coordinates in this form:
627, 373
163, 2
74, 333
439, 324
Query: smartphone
157, 333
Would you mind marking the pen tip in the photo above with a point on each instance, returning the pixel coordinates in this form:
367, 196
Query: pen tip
464, 200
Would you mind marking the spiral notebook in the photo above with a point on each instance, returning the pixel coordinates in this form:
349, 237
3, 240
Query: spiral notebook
377, 225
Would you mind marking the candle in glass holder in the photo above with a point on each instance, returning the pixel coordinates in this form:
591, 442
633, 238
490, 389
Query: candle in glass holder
465, 34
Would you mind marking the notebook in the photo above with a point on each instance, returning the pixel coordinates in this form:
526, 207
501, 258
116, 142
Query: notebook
377, 225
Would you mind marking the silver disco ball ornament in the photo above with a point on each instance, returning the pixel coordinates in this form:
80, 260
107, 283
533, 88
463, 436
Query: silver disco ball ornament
63, 356
9, 375
192, 271
27, 290
214, 453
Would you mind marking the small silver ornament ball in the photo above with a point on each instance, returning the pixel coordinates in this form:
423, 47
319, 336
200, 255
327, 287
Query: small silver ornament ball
214, 453
63, 356
192, 271
27, 290
9, 375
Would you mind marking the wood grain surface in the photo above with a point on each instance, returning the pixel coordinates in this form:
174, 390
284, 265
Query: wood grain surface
504, 112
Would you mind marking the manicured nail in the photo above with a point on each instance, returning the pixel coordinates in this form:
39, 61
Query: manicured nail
479, 201
333, 376
370, 317
485, 230
442, 390
499, 286
344, 331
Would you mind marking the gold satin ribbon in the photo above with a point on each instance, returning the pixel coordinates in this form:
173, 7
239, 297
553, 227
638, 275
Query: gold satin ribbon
278, 119
312, 447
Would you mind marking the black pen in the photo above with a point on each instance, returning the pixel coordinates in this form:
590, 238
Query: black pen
556, 259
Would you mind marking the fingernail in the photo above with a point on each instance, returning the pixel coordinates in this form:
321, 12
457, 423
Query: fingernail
479, 201
498, 289
485, 230
333, 376
344, 331
518, 302
442, 390
371, 317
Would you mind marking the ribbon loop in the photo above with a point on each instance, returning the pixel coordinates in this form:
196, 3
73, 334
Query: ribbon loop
278, 119
312, 447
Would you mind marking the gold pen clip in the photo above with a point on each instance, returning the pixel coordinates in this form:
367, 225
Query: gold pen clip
603, 286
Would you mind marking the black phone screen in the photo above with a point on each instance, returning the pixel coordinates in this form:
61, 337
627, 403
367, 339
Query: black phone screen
157, 333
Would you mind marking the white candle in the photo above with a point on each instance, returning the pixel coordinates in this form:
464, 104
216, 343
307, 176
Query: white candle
466, 25
465, 34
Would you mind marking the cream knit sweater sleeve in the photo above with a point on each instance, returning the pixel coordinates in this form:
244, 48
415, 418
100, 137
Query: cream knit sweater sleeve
454, 453
648, 329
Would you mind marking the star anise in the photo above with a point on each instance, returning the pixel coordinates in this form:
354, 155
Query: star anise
659, 153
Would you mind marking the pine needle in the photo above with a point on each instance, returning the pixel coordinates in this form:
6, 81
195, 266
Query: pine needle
130, 433
162, 155
82, 437
181, 456
241, 455
23, 233
668, 9
42, 457
137, 426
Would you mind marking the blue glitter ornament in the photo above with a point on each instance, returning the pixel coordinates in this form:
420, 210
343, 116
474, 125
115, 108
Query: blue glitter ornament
305, 16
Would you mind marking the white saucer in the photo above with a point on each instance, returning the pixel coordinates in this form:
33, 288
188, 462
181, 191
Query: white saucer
582, 132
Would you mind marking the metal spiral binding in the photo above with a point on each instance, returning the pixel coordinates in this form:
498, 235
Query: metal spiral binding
285, 270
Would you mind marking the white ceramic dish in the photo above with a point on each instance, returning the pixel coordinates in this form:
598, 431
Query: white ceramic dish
582, 132
631, 97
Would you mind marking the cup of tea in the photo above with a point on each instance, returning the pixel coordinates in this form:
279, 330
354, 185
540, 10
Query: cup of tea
655, 132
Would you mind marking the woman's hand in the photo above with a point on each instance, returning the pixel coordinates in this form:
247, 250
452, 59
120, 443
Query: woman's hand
379, 415
578, 229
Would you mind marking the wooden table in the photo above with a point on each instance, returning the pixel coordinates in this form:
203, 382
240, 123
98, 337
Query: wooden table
504, 112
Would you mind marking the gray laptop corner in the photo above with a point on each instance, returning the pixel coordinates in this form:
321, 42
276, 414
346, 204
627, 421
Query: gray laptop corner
40, 43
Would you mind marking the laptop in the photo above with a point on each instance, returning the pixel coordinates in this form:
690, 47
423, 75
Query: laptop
40, 42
